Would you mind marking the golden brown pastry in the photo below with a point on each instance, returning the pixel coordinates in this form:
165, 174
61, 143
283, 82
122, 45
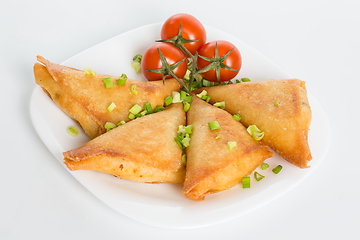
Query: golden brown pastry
85, 98
279, 108
212, 165
142, 150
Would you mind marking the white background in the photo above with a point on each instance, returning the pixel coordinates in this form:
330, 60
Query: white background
316, 41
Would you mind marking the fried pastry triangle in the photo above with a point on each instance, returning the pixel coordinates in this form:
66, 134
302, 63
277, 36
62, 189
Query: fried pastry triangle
211, 165
142, 150
85, 98
279, 108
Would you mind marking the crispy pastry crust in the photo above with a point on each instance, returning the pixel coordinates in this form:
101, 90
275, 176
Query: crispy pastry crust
280, 108
142, 150
84, 98
211, 165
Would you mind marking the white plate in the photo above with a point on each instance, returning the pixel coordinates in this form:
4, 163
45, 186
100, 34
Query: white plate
163, 205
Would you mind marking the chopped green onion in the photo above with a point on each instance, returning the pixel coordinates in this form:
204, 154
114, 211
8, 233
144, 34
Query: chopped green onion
255, 132
214, 125
111, 107
206, 98
148, 108
187, 75
108, 82
136, 66
186, 106
187, 99
176, 97
245, 182
203, 93
207, 83
231, 144
137, 58
179, 143
237, 81
188, 129
264, 166
143, 113
277, 169
133, 89
109, 125
186, 141
168, 100
237, 117
121, 123
122, 79
218, 137
258, 176
220, 105
183, 159
245, 80
131, 116
135, 109
90, 71
158, 109
276, 104
73, 131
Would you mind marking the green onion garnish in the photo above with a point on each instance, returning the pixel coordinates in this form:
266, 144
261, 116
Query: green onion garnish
188, 129
136, 66
231, 144
203, 93
179, 143
131, 116
218, 137
214, 125
137, 58
277, 169
73, 131
245, 182
158, 109
258, 176
135, 109
90, 71
122, 79
108, 82
121, 123
148, 108
237, 117
219, 105
275, 104
168, 100
187, 75
111, 107
245, 80
133, 89
207, 83
109, 125
186, 141
264, 166
176, 97
186, 106
255, 132
183, 159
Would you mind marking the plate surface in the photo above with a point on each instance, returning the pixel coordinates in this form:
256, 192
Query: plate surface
163, 205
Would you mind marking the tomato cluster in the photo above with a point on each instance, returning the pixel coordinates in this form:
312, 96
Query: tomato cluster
183, 37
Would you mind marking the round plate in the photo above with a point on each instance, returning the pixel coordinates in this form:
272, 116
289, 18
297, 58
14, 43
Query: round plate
163, 205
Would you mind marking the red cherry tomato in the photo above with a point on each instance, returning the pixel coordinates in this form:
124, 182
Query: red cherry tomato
192, 29
233, 61
151, 60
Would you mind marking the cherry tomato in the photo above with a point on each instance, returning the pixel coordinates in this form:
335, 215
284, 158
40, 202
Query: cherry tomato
192, 29
151, 60
233, 61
